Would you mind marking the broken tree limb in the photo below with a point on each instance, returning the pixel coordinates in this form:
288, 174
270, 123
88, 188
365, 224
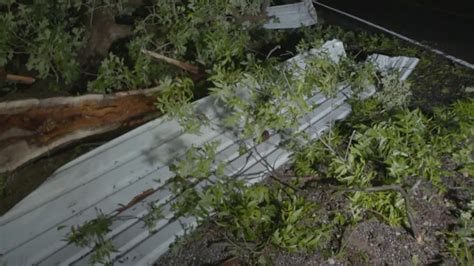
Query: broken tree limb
15, 78
183, 65
34, 127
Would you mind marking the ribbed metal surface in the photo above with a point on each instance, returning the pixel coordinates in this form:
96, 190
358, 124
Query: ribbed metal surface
116, 172
291, 16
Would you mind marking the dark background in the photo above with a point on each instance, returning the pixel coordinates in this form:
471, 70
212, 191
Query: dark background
446, 25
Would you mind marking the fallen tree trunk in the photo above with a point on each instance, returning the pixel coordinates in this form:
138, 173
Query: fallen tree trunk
33, 127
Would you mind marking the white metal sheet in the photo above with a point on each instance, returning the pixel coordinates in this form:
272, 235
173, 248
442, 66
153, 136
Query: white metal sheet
291, 16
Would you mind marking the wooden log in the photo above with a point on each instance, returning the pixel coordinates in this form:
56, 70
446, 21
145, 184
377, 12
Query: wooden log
32, 128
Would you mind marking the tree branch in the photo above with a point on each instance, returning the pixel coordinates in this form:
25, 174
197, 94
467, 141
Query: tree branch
183, 65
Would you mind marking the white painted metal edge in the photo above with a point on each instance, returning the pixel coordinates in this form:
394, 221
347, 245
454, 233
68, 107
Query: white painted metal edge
400, 36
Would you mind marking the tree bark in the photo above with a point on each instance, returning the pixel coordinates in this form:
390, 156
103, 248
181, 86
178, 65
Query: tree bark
33, 127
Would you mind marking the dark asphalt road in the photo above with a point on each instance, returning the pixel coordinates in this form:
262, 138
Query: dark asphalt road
445, 25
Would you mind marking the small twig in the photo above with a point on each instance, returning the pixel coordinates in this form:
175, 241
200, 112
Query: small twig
415, 186
273, 50
327, 145
349, 145
135, 200
273, 173
183, 65
20, 79
91, 20
287, 81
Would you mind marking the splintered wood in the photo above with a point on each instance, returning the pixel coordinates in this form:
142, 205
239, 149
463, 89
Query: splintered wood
32, 128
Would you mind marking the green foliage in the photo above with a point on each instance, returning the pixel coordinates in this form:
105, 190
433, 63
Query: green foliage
223, 44
385, 150
51, 41
51, 34
197, 163
394, 92
265, 98
93, 234
113, 75
325, 74
383, 153
361, 76
155, 214
175, 101
256, 216
7, 25
455, 133
460, 241
213, 32
54, 52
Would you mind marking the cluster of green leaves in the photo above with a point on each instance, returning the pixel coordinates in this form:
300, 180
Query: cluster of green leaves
53, 52
394, 92
113, 75
265, 97
252, 218
326, 74
7, 25
456, 134
208, 31
93, 234
46, 33
116, 74
260, 97
386, 149
47, 36
175, 101
460, 240
381, 153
